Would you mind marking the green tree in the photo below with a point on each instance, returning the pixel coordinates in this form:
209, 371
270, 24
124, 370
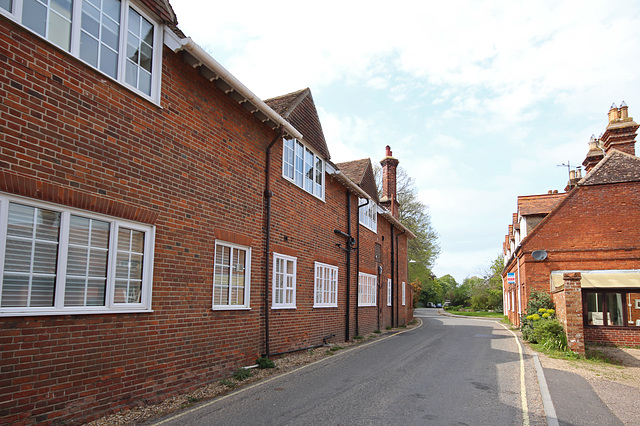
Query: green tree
414, 214
486, 292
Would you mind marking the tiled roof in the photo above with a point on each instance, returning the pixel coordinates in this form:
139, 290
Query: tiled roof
361, 172
616, 167
299, 109
539, 204
162, 8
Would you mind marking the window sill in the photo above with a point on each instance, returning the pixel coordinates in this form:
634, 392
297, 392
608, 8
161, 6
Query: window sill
75, 312
283, 307
230, 308
324, 306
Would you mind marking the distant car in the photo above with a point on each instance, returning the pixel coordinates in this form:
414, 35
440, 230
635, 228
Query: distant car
439, 305
430, 305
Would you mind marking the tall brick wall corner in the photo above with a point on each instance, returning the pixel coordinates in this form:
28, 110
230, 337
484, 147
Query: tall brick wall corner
574, 325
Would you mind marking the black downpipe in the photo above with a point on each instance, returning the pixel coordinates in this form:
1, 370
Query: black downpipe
398, 270
346, 335
268, 194
358, 262
393, 305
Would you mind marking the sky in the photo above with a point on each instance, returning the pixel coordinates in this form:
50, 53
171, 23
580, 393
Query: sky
480, 101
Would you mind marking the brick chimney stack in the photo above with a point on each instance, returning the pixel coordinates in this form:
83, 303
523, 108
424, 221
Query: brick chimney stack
389, 196
594, 155
621, 131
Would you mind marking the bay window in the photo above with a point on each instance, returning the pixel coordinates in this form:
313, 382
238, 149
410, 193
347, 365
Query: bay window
110, 35
55, 260
303, 167
368, 215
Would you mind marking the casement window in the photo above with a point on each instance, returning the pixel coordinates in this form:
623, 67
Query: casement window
231, 276
369, 215
613, 307
284, 282
112, 36
326, 286
55, 260
303, 167
404, 292
366, 289
389, 292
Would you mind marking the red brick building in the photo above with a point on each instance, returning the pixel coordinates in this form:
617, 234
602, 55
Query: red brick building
160, 225
583, 246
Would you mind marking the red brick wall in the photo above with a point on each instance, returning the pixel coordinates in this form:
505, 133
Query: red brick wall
596, 228
195, 169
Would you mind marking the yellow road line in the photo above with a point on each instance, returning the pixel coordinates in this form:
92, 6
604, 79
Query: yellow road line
523, 388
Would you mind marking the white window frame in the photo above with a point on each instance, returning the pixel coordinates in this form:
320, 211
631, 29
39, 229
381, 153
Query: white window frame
298, 157
76, 21
404, 292
247, 276
325, 293
58, 308
288, 283
389, 293
367, 285
368, 215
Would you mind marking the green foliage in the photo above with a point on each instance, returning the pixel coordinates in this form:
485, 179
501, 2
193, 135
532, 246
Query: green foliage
242, 374
228, 383
414, 214
539, 300
265, 362
377, 331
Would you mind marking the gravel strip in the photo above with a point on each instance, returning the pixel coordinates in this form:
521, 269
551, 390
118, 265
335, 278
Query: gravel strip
285, 363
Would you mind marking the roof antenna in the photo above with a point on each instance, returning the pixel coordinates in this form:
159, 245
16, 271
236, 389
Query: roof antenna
568, 166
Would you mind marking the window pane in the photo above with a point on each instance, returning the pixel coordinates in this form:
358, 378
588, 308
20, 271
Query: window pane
110, 36
34, 16
111, 9
90, 20
633, 312
74, 292
108, 61
614, 306
60, 31
6, 5
96, 291
89, 49
20, 221
42, 290
17, 256
15, 290
62, 7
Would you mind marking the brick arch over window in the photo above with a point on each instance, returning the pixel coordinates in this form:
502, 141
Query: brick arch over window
46, 191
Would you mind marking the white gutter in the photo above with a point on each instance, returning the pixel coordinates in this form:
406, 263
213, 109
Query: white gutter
177, 44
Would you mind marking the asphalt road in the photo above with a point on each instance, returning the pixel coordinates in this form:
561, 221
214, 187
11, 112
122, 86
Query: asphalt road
449, 371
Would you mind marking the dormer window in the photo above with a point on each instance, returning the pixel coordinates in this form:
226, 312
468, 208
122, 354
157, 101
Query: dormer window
112, 36
369, 215
303, 167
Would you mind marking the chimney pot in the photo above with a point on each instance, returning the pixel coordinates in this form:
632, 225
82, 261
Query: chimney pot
388, 152
624, 111
572, 174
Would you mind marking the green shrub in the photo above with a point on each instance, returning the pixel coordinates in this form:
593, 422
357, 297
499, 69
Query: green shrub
550, 334
265, 362
242, 374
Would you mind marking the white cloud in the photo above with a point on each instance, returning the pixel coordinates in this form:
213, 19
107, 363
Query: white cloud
480, 100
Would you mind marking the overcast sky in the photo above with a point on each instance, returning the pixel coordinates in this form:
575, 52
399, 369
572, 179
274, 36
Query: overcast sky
479, 100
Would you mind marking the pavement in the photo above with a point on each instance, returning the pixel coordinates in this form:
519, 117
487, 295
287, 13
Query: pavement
576, 396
